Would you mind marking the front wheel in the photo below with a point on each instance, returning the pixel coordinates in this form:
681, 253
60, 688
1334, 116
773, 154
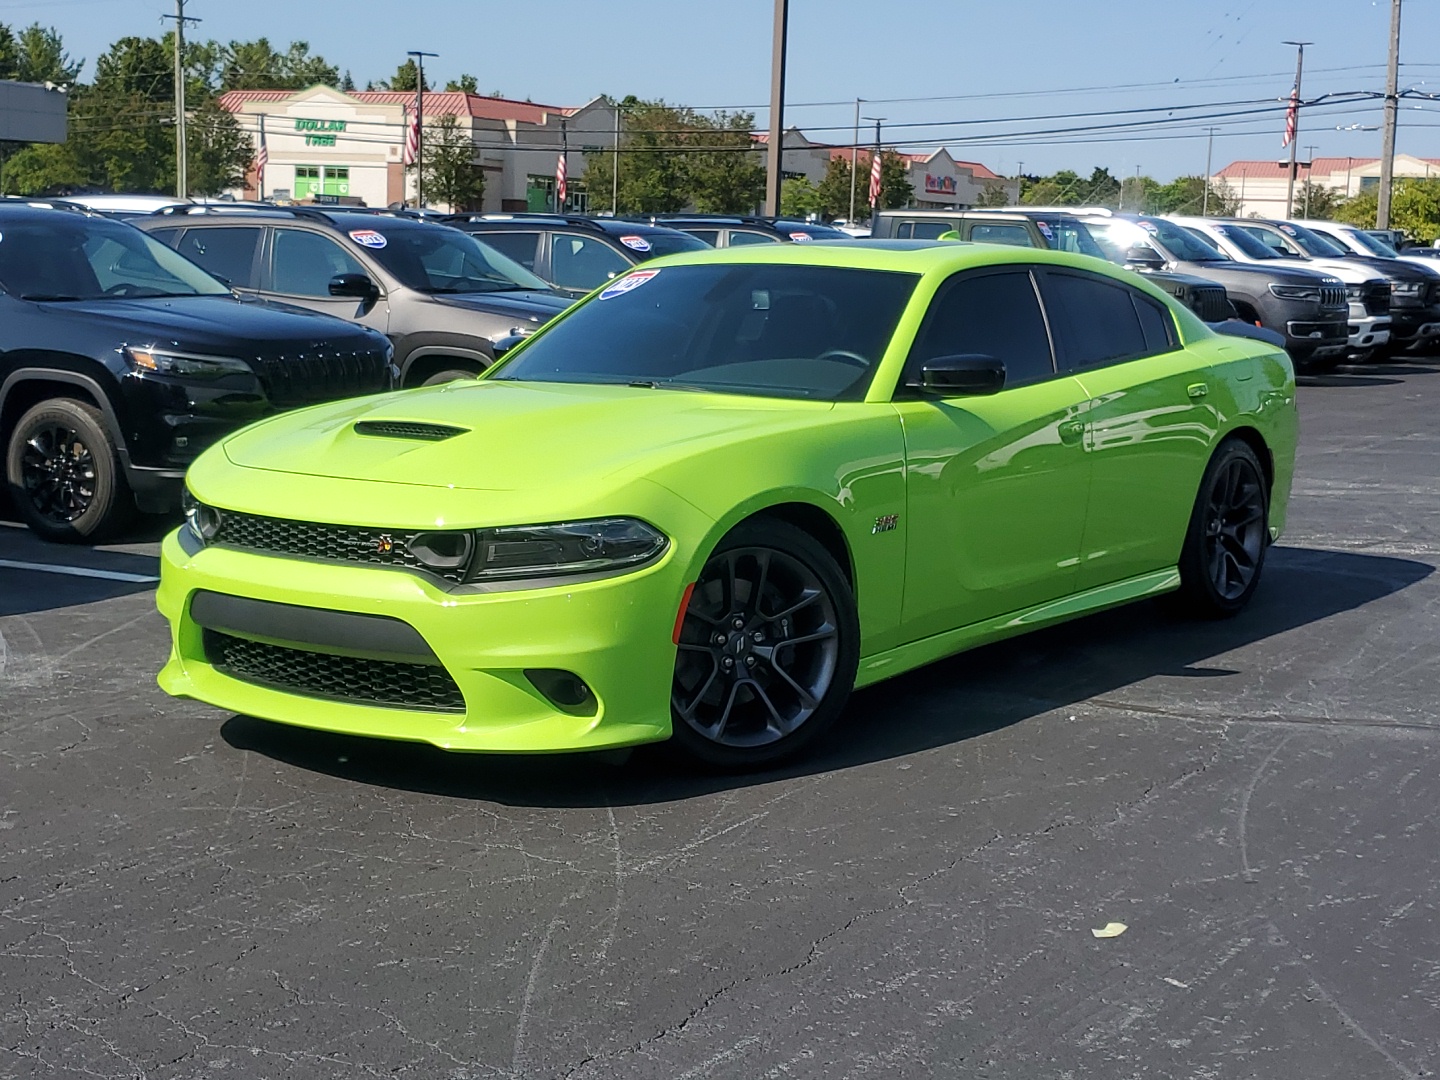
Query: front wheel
64, 473
1224, 550
449, 375
768, 648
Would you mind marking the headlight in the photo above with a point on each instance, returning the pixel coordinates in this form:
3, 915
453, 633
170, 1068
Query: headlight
202, 521
185, 365
1407, 288
1353, 291
1296, 292
577, 547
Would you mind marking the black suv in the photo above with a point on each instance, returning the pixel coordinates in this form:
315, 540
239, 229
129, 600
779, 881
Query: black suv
720, 230
120, 361
449, 304
1309, 308
573, 252
1055, 230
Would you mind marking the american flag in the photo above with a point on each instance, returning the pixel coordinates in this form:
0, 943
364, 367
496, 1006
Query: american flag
262, 158
412, 137
874, 179
560, 183
1291, 115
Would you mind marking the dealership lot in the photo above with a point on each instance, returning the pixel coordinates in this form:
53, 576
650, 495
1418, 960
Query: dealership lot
183, 891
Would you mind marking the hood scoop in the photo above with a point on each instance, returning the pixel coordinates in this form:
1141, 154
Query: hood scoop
408, 429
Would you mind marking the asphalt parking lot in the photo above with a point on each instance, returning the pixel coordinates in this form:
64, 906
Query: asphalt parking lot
185, 893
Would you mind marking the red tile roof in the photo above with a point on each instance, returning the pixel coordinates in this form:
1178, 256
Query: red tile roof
1320, 166
437, 103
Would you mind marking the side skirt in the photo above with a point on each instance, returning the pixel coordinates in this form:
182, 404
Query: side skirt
918, 653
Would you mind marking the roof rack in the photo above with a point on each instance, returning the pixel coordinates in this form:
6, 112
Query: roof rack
539, 216
49, 203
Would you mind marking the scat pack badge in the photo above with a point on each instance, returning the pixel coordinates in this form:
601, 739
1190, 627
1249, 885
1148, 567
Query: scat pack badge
885, 523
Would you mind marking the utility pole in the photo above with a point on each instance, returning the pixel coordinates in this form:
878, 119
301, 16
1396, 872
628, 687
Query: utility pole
773, 152
420, 124
1392, 101
615, 170
1309, 177
854, 157
182, 170
1205, 198
1294, 111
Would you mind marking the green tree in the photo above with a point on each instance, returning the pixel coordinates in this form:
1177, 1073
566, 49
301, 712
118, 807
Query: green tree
256, 65
1317, 201
217, 150
799, 198
652, 175
406, 77
1186, 195
42, 57
466, 84
833, 191
723, 175
9, 53
347, 83
993, 194
1414, 208
452, 175
895, 189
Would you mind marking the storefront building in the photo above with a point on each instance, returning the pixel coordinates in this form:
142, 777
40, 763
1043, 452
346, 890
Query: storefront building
1260, 186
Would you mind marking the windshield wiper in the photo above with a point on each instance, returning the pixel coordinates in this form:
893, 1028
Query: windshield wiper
451, 290
41, 297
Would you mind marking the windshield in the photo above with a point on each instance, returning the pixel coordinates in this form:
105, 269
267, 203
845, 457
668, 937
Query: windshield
1371, 244
1119, 236
439, 259
1312, 243
811, 230
772, 330
1247, 242
1069, 234
68, 257
669, 242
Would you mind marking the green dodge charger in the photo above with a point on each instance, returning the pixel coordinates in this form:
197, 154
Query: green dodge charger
724, 490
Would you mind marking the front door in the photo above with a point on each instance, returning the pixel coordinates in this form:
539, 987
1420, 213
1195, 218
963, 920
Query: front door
301, 264
996, 486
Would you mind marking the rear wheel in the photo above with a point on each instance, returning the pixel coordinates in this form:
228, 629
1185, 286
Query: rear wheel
768, 649
64, 473
449, 375
1224, 550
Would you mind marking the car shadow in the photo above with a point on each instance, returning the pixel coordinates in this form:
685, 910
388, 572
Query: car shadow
84, 575
942, 704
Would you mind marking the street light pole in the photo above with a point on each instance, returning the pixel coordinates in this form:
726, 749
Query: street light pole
420, 124
182, 169
1205, 198
615, 170
1295, 135
1309, 176
773, 152
1392, 100
854, 157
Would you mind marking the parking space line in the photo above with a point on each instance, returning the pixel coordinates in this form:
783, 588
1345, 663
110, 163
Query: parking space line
77, 571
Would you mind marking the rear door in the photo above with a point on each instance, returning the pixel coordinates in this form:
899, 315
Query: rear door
996, 486
230, 252
1151, 421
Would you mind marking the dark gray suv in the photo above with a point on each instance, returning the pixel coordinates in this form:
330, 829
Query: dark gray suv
449, 304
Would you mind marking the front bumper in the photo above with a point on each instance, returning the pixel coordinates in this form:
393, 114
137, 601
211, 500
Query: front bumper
613, 633
1317, 338
1370, 331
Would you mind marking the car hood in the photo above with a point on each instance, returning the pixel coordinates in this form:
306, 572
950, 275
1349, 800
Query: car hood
511, 436
1259, 274
222, 324
531, 305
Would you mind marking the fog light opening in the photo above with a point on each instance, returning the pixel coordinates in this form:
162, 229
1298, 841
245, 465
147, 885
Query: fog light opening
563, 689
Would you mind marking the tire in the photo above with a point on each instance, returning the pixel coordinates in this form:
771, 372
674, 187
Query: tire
1229, 532
449, 375
64, 474
769, 646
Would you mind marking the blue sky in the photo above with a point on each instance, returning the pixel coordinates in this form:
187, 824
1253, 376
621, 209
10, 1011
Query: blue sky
992, 60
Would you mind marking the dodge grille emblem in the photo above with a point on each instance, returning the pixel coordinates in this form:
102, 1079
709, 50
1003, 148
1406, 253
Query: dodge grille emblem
384, 545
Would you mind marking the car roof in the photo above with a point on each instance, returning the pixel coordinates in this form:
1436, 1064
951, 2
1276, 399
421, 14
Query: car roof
341, 219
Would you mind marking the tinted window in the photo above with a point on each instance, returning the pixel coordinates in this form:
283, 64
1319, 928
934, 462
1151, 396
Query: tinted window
438, 259
582, 262
1155, 324
771, 330
520, 246
1069, 234
710, 236
1256, 243
923, 230
1014, 235
304, 262
1312, 243
739, 237
657, 243
991, 314
228, 253
1095, 321
66, 259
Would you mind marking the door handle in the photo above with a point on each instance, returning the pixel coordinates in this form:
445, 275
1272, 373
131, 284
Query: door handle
1197, 390
1072, 431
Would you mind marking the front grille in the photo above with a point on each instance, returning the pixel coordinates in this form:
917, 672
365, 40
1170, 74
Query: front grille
334, 678
321, 374
405, 429
1333, 296
1376, 297
331, 543
1211, 303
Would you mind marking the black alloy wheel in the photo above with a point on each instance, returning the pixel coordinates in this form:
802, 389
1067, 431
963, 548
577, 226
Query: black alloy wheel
1229, 533
768, 648
64, 474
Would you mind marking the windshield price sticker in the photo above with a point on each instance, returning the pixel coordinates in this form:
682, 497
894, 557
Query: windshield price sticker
629, 283
638, 243
368, 238
1148, 226
1044, 227
801, 237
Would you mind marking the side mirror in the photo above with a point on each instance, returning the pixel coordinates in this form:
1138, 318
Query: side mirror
1146, 256
967, 375
358, 286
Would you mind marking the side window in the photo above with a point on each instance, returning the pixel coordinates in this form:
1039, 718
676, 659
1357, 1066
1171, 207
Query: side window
228, 253
582, 262
520, 246
168, 237
1096, 321
739, 237
991, 314
923, 230
710, 236
1014, 235
303, 263
1155, 323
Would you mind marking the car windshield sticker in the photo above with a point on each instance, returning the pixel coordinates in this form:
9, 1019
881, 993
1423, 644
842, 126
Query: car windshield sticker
801, 237
368, 238
628, 283
1148, 226
1044, 227
1287, 230
639, 243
